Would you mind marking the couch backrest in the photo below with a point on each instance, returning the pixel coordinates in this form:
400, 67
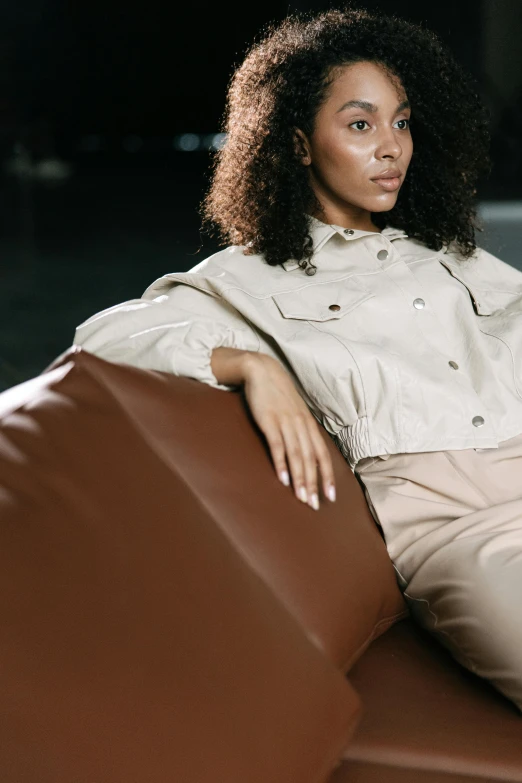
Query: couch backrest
136, 643
330, 567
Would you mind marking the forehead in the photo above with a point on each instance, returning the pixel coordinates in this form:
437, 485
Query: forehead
365, 80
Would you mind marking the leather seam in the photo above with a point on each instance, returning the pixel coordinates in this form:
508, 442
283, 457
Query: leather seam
387, 622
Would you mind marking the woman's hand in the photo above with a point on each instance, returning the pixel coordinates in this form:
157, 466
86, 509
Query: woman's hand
290, 428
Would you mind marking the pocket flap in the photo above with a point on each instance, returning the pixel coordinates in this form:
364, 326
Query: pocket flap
485, 300
323, 301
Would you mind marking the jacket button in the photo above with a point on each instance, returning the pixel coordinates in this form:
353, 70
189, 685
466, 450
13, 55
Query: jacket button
419, 303
454, 365
311, 270
382, 254
334, 307
477, 421
348, 231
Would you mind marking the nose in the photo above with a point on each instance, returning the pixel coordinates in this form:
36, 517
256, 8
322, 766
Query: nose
388, 145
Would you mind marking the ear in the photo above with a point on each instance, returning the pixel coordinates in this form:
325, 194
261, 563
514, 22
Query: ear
302, 147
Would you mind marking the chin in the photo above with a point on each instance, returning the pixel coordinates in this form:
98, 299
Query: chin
384, 205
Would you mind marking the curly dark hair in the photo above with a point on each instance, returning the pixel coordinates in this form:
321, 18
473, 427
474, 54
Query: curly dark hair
260, 196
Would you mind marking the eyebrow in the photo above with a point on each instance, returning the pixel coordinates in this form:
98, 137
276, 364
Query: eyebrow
371, 107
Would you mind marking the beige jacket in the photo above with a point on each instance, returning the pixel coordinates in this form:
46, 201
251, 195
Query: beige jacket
394, 347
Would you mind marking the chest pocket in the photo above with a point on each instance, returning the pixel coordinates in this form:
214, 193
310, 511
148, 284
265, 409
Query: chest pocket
486, 300
323, 301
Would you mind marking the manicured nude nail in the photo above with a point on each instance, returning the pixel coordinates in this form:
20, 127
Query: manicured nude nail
314, 501
331, 492
302, 494
285, 478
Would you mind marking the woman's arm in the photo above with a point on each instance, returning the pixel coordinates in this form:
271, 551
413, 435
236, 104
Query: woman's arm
176, 332
231, 365
189, 332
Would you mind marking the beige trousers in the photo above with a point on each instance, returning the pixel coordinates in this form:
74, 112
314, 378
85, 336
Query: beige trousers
452, 522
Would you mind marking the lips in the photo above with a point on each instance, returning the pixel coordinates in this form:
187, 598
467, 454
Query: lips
388, 180
388, 174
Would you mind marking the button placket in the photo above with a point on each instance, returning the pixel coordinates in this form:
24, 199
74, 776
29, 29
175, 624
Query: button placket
477, 421
435, 336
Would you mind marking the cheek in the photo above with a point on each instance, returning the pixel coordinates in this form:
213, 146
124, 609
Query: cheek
407, 149
341, 157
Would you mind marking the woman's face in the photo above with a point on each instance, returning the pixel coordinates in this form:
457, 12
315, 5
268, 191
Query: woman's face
361, 133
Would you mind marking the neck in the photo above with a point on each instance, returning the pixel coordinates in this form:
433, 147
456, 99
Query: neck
344, 222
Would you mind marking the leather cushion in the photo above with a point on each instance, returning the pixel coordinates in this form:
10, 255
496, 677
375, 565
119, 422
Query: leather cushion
424, 711
136, 643
365, 772
329, 567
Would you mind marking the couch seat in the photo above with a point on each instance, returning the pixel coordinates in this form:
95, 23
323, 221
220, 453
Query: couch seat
427, 718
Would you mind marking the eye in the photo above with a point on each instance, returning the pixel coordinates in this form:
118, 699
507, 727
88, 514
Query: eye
407, 124
358, 122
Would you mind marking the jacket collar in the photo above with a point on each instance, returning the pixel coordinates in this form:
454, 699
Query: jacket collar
321, 233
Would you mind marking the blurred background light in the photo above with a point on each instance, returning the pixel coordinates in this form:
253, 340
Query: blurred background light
187, 142
218, 141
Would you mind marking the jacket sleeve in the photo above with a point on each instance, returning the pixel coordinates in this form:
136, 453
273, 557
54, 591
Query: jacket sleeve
174, 332
499, 274
487, 271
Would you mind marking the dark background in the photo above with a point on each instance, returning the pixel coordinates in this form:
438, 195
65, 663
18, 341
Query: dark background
97, 198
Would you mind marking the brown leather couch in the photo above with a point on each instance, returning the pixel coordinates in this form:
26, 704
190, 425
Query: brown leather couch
172, 614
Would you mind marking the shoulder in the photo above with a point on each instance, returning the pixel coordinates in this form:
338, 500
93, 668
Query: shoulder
231, 262
487, 269
228, 268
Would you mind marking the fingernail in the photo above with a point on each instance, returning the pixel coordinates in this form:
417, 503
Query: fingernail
331, 492
285, 478
302, 494
314, 501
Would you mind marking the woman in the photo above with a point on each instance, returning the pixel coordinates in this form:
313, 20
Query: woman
351, 294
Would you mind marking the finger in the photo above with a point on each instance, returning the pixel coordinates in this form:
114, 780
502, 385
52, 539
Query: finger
294, 458
276, 445
309, 460
324, 461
